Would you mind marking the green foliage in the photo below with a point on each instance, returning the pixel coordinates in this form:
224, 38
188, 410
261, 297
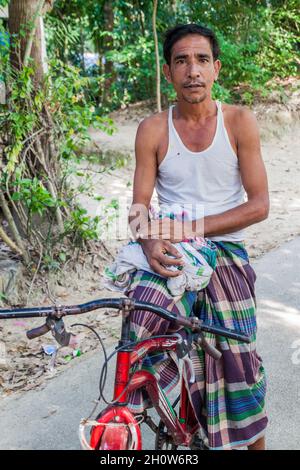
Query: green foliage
221, 93
280, 36
81, 227
65, 96
259, 40
3, 297
62, 112
134, 64
73, 108
34, 195
62, 37
108, 216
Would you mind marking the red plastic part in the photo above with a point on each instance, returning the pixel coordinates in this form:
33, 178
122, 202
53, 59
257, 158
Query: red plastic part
112, 437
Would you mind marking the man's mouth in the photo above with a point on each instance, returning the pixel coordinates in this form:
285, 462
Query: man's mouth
194, 85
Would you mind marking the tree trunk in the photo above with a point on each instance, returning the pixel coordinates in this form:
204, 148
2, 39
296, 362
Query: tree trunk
82, 48
158, 98
28, 43
141, 17
108, 44
25, 24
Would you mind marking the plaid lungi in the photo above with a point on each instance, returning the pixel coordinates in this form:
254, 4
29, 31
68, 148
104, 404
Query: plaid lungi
228, 396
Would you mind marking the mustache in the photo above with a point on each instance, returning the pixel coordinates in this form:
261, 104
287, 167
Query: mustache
188, 84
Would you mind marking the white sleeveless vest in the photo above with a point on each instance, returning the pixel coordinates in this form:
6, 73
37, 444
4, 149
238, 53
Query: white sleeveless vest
201, 183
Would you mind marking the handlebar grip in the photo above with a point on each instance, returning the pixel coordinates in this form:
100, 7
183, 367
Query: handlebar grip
211, 350
39, 331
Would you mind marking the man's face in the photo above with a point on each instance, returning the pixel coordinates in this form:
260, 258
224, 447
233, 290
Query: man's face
192, 70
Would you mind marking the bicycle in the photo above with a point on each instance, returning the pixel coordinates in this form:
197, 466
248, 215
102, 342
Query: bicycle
174, 428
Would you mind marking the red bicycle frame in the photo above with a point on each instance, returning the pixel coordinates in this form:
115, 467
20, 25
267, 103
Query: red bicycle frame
122, 419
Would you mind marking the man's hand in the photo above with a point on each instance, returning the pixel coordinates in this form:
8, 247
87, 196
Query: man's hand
155, 251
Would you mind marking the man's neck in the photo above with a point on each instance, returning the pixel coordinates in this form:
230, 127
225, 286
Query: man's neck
197, 112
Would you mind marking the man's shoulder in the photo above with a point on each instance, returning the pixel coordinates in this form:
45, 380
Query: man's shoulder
237, 114
241, 121
154, 123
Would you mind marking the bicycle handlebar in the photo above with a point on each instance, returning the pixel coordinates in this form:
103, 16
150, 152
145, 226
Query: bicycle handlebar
57, 312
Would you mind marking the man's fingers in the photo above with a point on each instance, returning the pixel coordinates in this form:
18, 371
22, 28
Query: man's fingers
172, 250
163, 259
158, 268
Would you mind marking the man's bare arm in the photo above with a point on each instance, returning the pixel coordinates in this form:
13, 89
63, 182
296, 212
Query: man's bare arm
143, 186
144, 175
254, 179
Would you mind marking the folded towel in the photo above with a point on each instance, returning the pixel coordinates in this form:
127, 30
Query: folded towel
199, 255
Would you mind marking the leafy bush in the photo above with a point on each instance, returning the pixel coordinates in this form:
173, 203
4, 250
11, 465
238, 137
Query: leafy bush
44, 129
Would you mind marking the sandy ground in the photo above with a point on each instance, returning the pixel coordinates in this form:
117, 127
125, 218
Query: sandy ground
23, 364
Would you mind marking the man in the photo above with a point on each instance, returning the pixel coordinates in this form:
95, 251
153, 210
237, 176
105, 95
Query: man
202, 152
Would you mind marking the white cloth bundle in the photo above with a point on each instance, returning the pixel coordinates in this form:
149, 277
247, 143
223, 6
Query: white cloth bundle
199, 255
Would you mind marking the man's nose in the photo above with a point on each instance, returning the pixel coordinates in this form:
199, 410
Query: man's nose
194, 71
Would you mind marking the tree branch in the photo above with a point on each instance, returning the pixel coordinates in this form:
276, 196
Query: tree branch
10, 242
13, 227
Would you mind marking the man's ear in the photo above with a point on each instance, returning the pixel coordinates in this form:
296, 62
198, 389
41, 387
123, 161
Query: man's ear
217, 67
167, 73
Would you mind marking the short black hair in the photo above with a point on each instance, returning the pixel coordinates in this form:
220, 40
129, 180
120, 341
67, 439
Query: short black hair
180, 31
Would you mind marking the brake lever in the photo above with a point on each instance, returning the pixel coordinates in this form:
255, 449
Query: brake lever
183, 348
189, 364
58, 330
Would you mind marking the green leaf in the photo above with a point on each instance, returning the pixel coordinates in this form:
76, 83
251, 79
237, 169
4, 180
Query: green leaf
62, 257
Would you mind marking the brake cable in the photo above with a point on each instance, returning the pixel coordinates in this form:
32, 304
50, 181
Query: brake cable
103, 374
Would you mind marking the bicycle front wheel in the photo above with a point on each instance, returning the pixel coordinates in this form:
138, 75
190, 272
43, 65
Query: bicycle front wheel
117, 429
